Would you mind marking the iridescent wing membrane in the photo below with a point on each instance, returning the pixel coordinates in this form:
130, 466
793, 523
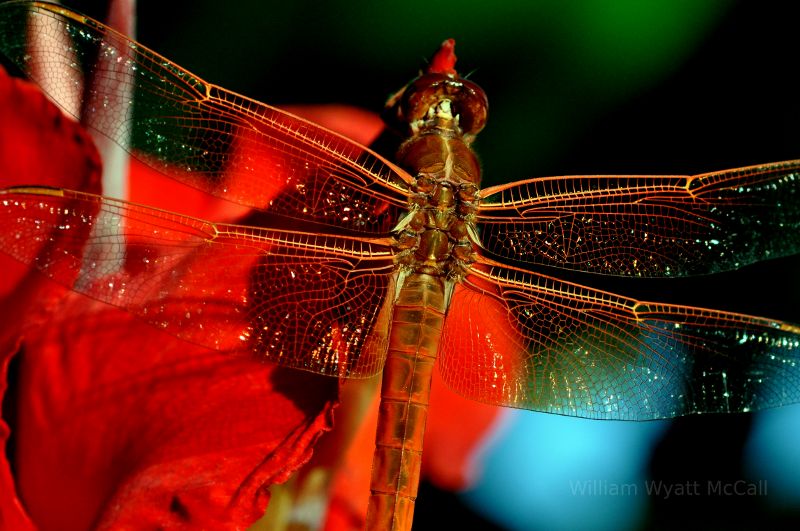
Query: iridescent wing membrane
570, 349
647, 226
305, 300
208, 138
319, 301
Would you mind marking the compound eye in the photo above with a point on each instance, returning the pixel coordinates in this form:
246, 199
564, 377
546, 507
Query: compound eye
467, 100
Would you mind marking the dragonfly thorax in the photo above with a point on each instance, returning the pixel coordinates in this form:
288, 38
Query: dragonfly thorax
437, 235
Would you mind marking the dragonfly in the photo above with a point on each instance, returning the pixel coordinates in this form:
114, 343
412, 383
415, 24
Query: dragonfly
352, 265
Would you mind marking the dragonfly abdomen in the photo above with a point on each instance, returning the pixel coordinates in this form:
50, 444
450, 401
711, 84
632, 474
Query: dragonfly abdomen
416, 330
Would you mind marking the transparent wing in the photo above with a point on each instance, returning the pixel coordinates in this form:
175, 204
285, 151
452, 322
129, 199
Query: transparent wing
530, 341
306, 301
647, 225
197, 133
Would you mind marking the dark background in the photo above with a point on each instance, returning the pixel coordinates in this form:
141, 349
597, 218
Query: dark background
580, 87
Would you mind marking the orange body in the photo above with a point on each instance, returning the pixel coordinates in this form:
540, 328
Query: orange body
416, 330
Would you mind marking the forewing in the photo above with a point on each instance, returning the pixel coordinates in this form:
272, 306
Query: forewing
300, 300
647, 226
530, 341
197, 133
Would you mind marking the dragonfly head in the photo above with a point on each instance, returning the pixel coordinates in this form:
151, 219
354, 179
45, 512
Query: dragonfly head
439, 99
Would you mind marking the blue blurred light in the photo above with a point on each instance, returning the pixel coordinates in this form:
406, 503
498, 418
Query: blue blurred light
773, 454
553, 472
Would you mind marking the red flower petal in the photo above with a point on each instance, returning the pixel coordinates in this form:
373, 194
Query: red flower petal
455, 429
122, 425
149, 187
352, 122
12, 513
116, 424
40, 145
